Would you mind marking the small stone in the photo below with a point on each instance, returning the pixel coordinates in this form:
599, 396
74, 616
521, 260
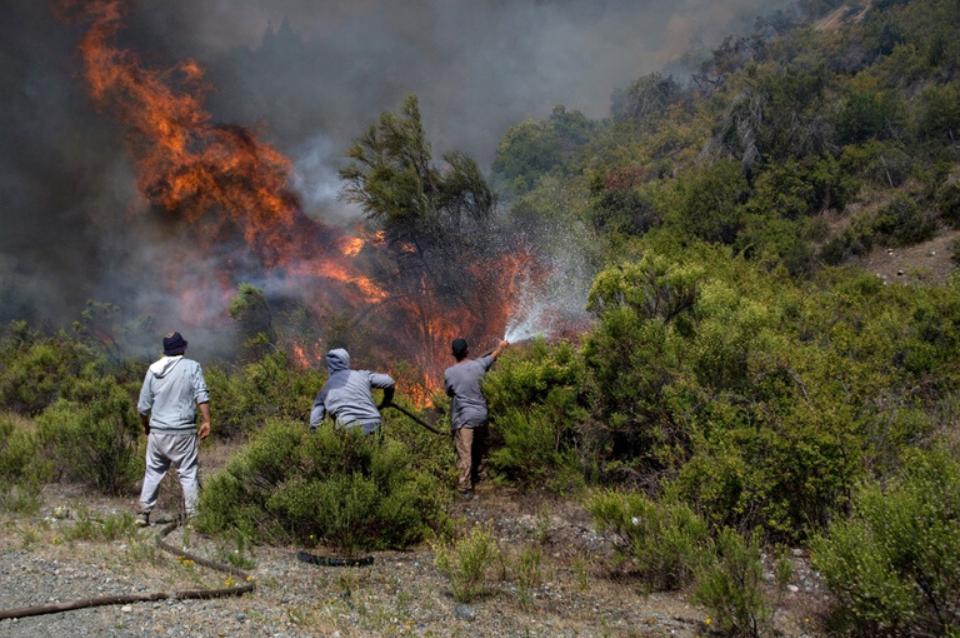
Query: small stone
126, 609
463, 612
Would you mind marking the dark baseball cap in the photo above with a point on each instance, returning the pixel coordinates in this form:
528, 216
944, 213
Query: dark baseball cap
174, 344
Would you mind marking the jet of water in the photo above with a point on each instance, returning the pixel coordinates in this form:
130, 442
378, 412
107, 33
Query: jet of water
528, 323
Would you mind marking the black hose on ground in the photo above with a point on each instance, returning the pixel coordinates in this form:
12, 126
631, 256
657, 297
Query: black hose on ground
334, 562
202, 594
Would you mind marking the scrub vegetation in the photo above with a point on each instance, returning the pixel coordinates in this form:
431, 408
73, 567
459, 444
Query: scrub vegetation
744, 386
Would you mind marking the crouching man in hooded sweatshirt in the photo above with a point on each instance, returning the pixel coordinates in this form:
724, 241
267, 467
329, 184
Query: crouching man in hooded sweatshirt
347, 395
173, 390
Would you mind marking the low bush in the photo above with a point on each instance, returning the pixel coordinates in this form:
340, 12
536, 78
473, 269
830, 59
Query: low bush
729, 583
893, 565
665, 539
21, 469
95, 442
527, 572
19, 451
467, 561
264, 388
904, 222
536, 403
33, 370
336, 488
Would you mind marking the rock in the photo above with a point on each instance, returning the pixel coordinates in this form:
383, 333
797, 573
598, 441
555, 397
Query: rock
464, 612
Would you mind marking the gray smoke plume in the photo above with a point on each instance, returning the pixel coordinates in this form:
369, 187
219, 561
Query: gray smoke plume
310, 76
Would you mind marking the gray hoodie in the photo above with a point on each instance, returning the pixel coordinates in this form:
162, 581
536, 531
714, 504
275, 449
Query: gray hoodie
172, 389
346, 395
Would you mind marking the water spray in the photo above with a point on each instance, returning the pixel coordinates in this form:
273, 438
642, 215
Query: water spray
529, 320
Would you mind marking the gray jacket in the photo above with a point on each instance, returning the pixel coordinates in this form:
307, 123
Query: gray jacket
347, 394
172, 389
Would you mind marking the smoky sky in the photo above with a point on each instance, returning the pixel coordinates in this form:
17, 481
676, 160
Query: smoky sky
310, 75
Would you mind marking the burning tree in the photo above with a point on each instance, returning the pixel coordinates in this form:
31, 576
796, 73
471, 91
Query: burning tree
442, 259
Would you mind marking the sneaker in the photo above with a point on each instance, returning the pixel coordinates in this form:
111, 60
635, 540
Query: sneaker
466, 494
142, 520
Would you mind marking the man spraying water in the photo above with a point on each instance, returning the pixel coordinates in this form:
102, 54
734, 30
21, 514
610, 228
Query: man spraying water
468, 412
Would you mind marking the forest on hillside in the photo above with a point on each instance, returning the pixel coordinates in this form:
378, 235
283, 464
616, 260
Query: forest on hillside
735, 384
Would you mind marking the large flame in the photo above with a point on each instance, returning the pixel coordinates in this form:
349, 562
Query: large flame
222, 179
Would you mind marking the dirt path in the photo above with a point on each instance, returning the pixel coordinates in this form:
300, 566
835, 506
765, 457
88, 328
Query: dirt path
577, 590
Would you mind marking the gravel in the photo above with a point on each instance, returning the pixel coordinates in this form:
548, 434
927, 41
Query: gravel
578, 591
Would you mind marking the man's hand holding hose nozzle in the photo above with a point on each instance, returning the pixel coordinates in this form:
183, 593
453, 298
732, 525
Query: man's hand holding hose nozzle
387, 398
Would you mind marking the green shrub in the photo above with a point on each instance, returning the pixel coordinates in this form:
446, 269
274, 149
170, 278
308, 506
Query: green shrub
527, 572
337, 488
96, 443
21, 497
665, 540
89, 526
264, 388
19, 451
635, 352
729, 583
893, 565
21, 469
884, 164
535, 399
904, 221
467, 561
786, 475
32, 373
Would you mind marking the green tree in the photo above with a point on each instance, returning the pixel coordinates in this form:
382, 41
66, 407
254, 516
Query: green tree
649, 95
533, 149
707, 204
870, 115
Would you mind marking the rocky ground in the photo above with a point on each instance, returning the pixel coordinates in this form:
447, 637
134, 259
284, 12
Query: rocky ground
59, 554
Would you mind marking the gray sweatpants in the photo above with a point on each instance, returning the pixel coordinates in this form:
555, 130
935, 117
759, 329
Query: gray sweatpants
164, 449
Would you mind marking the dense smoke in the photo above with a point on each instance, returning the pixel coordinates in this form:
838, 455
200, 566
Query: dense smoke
308, 76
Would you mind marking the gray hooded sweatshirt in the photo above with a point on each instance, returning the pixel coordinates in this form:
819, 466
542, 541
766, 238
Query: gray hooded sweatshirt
346, 394
172, 389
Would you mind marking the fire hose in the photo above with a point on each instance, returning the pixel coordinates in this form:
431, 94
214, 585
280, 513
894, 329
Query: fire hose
416, 418
201, 594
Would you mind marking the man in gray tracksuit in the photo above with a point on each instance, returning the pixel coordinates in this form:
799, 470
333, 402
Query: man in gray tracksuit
173, 390
347, 395
468, 412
